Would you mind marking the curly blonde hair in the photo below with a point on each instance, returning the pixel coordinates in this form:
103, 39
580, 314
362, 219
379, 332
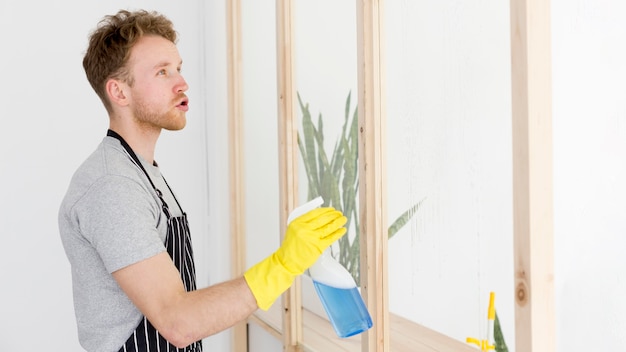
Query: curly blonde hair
111, 42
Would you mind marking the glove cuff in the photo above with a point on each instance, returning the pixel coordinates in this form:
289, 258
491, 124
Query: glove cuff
267, 280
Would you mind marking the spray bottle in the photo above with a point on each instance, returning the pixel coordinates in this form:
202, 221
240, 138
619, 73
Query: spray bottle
336, 288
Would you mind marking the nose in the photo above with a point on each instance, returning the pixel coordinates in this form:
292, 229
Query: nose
181, 85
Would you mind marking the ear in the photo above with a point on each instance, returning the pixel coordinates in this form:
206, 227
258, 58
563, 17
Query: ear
116, 90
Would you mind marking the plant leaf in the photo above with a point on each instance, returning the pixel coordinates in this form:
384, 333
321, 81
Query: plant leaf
309, 154
499, 337
403, 219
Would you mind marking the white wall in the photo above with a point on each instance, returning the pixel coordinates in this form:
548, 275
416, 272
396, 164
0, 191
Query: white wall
51, 120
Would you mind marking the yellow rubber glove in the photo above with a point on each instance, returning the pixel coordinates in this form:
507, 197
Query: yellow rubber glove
305, 239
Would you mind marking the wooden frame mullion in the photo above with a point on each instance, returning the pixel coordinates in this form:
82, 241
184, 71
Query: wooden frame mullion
288, 162
236, 164
532, 175
372, 172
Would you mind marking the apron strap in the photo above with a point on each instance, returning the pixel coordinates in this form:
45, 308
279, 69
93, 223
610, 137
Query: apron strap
131, 153
133, 156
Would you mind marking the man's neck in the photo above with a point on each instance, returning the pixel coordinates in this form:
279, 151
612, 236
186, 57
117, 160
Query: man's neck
141, 140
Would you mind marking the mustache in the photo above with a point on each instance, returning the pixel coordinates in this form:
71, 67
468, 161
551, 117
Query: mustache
181, 99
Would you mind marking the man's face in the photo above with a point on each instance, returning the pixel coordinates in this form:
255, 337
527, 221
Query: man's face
158, 97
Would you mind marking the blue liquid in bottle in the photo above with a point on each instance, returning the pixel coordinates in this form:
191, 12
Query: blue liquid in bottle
336, 288
345, 309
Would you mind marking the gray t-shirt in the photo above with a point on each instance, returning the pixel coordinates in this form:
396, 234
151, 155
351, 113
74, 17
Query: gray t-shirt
110, 218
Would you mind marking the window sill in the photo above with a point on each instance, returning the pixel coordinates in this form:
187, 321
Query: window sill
405, 335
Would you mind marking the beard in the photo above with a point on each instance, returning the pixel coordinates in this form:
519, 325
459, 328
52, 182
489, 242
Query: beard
146, 115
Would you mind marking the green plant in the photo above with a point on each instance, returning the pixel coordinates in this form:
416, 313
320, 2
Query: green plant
336, 179
499, 337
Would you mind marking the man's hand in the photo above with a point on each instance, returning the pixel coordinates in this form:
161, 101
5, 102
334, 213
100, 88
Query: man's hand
305, 239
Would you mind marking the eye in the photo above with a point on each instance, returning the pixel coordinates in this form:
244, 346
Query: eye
162, 72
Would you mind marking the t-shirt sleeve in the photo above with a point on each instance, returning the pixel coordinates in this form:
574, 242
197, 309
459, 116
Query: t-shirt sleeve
120, 218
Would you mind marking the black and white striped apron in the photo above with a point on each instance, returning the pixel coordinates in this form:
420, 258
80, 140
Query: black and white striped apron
146, 338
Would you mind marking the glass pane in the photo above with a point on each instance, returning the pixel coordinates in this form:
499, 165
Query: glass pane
326, 76
449, 156
260, 140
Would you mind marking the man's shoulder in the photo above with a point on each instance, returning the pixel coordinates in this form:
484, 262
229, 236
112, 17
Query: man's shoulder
109, 159
108, 169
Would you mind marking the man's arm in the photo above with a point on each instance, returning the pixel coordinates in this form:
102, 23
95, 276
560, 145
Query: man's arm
155, 287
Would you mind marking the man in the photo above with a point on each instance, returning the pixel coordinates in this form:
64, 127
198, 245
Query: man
123, 230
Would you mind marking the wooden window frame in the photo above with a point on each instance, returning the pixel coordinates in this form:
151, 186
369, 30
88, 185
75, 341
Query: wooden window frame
239, 341
532, 186
532, 175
